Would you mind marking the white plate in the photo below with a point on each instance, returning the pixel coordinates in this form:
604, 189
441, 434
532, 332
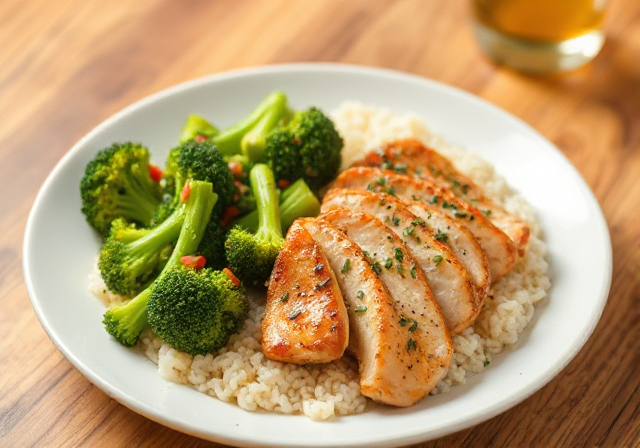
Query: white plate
59, 248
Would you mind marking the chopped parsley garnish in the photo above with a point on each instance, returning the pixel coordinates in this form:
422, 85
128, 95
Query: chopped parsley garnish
408, 231
437, 259
434, 199
388, 262
346, 266
414, 273
361, 309
486, 362
486, 212
419, 222
360, 295
412, 344
396, 220
284, 297
376, 267
441, 236
398, 254
401, 168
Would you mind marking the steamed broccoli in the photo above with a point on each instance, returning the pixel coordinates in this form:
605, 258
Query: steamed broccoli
308, 147
251, 255
130, 257
118, 183
196, 311
247, 137
197, 127
296, 201
198, 161
125, 322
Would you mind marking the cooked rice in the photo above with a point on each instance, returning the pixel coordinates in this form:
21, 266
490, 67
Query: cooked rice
241, 374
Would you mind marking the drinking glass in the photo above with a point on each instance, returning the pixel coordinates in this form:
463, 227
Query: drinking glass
540, 36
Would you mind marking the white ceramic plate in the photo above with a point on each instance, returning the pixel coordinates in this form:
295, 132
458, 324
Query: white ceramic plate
59, 248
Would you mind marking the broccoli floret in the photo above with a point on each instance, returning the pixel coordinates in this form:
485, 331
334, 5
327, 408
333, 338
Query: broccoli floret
296, 201
125, 322
130, 258
196, 311
117, 183
247, 137
197, 127
251, 255
308, 147
199, 161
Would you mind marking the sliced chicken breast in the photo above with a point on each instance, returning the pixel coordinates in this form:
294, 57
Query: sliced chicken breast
305, 320
460, 239
410, 156
400, 360
501, 251
449, 281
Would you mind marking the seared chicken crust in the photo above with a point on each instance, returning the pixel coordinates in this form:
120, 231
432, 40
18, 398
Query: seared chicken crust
449, 281
400, 360
305, 319
410, 156
459, 238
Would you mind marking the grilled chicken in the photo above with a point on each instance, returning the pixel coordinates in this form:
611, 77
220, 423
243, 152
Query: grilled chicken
401, 342
449, 281
305, 319
411, 157
500, 250
460, 239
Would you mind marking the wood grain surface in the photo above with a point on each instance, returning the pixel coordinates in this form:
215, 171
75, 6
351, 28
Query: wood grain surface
66, 65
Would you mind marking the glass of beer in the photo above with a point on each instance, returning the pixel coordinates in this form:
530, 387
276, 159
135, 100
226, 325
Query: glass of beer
540, 36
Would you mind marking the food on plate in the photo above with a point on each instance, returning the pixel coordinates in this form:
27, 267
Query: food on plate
305, 318
199, 161
126, 322
296, 200
396, 331
295, 144
412, 157
450, 282
328, 379
500, 250
251, 255
120, 182
461, 241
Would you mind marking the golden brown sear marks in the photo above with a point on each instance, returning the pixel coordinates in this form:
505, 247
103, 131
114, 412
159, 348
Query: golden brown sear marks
305, 319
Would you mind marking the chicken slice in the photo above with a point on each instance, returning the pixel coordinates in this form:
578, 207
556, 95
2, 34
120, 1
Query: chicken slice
460, 239
305, 319
449, 281
500, 249
399, 362
410, 156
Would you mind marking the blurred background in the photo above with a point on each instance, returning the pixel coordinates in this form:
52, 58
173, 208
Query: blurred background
66, 65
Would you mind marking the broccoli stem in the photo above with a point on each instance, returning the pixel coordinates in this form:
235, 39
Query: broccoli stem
126, 322
296, 201
263, 185
195, 126
229, 141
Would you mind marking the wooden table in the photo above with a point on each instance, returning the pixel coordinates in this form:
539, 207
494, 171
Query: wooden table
66, 65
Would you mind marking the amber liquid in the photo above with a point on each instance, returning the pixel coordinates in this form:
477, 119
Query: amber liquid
541, 20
